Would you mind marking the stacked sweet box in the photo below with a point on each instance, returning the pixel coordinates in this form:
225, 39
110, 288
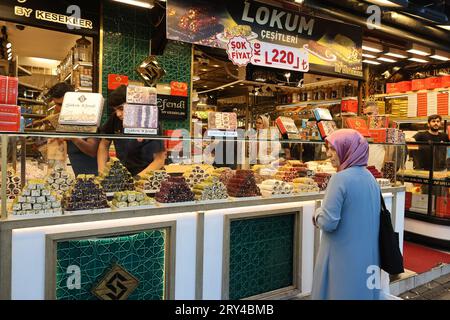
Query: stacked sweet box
116, 177
175, 189
36, 198
151, 182
275, 187
125, 199
85, 194
210, 189
59, 180
422, 104
243, 184
322, 180
443, 105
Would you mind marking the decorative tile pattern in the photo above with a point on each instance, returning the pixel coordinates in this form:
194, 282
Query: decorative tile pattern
261, 255
126, 43
141, 254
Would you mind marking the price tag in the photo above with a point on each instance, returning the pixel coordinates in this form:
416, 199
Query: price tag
142, 131
281, 57
218, 133
239, 51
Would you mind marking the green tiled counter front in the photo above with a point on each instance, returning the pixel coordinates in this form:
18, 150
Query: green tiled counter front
261, 255
141, 254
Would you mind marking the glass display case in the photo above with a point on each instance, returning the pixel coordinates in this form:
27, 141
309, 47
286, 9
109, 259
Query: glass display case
40, 179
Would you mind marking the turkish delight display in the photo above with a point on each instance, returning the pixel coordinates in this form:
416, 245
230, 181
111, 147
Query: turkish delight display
286, 174
195, 175
116, 177
275, 187
305, 185
13, 186
36, 198
175, 189
389, 170
384, 182
374, 171
210, 189
59, 180
322, 180
243, 184
224, 174
85, 194
151, 182
124, 199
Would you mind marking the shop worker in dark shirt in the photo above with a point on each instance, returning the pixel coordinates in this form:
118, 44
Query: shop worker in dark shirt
82, 152
433, 134
139, 156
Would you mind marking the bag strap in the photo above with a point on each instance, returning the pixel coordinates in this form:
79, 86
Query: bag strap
383, 205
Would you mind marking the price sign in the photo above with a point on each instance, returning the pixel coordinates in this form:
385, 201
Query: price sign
281, 57
239, 51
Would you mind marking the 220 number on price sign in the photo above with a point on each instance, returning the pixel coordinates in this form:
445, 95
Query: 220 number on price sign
282, 57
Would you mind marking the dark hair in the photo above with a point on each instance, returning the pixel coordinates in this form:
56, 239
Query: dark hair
117, 97
434, 116
59, 90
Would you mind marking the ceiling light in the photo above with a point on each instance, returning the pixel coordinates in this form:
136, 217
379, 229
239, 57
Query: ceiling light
241, 84
299, 1
370, 62
8, 45
195, 78
420, 50
205, 86
441, 55
444, 26
418, 59
390, 3
387, 59
138, 3
396, 53
10, 58
366, 55
231, 86
204, 69
9, 50
216, 65
372, 46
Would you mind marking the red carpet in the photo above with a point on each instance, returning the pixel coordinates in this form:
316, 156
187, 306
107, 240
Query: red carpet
421, 259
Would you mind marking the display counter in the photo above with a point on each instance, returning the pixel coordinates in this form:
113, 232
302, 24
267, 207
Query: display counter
252, 248
162, 239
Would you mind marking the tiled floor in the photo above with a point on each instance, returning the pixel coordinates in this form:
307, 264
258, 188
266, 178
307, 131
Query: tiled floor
438, 289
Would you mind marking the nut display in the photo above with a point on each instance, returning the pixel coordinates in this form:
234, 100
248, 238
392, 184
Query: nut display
151, 182
126, 199
243, 184
210, 189
196, 175
116, 177
175, 189
85, 194
13, 186
275, 187
305, 185
59, 180
36, 198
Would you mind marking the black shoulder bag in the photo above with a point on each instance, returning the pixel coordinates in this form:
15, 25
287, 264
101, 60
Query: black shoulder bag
391, 259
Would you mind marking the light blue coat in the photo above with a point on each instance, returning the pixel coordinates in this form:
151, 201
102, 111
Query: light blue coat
349, 219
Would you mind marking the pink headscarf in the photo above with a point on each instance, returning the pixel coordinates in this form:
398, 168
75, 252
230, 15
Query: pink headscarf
351, 147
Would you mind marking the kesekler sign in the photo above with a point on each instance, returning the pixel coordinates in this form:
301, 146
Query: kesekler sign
73, 16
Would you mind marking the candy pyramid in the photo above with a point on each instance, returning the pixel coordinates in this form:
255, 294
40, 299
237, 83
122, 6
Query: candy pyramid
174, 190
85, 194
59, 180
152, 181
116, 177
243, 184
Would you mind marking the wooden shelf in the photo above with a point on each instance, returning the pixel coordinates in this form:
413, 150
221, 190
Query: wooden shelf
23, 72
82, 64
306, 103
31, 101
30, 86
405, 94
34, 116
83, 89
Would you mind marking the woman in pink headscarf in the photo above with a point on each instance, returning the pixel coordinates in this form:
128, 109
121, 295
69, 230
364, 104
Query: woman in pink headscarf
349, 219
